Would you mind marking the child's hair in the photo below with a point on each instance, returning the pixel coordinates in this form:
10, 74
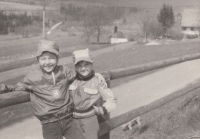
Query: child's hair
49, 46
82, 55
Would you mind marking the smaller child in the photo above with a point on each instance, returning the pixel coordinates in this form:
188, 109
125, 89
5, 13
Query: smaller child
87, 95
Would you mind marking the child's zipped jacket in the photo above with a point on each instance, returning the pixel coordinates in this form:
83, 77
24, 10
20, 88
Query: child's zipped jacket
49, 93
88, 95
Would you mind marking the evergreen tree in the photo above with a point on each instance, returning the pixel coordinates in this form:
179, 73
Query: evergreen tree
171, 14
166, 17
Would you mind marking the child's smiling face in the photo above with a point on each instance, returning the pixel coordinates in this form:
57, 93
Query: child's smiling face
84, 68
48, 61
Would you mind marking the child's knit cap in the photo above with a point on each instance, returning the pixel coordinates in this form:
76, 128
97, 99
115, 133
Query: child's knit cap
46, 45
82, 55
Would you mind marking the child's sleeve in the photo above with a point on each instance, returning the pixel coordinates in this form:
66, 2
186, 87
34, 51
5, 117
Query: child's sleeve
24, 85
71, 74
102, 81
109, 100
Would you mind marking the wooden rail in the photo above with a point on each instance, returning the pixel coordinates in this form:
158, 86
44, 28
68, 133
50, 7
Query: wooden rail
123, 72
14, 98
110, 124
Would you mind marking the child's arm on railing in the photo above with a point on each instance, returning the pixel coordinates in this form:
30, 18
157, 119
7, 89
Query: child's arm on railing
6, 88
20, 86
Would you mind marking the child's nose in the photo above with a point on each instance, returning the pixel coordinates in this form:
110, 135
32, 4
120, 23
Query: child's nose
47, 61
82, 67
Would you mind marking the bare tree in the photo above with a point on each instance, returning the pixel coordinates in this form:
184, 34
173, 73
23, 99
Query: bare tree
97, 19
144, 23
148, 25
88, 29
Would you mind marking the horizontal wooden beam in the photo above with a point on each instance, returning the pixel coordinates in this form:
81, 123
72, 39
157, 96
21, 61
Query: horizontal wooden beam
126, 117
14, 98
123, 72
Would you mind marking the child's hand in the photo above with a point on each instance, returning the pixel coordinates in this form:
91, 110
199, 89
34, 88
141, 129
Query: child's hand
3, 88
98, 110
102, 81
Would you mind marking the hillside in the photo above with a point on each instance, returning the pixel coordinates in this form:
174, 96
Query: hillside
150, 4
139, 3
9, 6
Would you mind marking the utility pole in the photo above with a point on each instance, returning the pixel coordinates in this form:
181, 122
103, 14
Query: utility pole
115, 32
43, 12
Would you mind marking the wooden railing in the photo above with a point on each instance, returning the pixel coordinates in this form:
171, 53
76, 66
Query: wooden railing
18, 97
112, 123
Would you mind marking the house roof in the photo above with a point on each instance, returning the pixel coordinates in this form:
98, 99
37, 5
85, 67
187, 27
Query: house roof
118, 34
190, 18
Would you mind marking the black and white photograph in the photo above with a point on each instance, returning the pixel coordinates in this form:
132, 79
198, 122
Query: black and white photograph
99, 69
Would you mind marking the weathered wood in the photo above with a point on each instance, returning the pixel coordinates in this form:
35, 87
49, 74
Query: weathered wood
126, 117
14, 98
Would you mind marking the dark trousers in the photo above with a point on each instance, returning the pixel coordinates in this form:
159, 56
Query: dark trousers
90, 127
67, 128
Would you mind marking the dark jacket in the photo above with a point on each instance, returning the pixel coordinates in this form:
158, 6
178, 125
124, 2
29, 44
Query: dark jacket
49, 93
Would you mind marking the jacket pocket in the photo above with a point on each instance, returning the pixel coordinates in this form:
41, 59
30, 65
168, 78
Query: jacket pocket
72, 87
90, 91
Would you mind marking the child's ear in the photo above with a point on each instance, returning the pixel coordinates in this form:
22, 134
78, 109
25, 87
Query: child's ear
57, 58
75, 66
37, 58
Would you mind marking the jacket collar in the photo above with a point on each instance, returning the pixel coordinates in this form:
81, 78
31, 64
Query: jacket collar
85, 78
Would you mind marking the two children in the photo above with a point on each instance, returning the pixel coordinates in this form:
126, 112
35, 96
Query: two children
50, 99
87, 95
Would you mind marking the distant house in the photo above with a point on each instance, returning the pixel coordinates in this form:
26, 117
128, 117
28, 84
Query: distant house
190, 22
117, 37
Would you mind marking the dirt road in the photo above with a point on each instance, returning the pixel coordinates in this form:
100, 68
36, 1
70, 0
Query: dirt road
133, 94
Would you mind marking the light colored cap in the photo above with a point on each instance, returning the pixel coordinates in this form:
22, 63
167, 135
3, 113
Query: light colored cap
82, 55
46, 45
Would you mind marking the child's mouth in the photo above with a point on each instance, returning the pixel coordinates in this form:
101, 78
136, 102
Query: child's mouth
48, 68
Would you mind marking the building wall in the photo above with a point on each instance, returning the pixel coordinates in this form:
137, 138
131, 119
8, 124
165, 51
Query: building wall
191, 31
118, 40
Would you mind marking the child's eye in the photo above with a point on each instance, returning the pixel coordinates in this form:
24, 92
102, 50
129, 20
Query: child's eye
78, 66
42, 58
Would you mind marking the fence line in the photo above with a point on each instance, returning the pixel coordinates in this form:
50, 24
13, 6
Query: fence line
123, 72
126, 117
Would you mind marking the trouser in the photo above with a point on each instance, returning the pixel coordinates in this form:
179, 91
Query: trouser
90, 127
66, 127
